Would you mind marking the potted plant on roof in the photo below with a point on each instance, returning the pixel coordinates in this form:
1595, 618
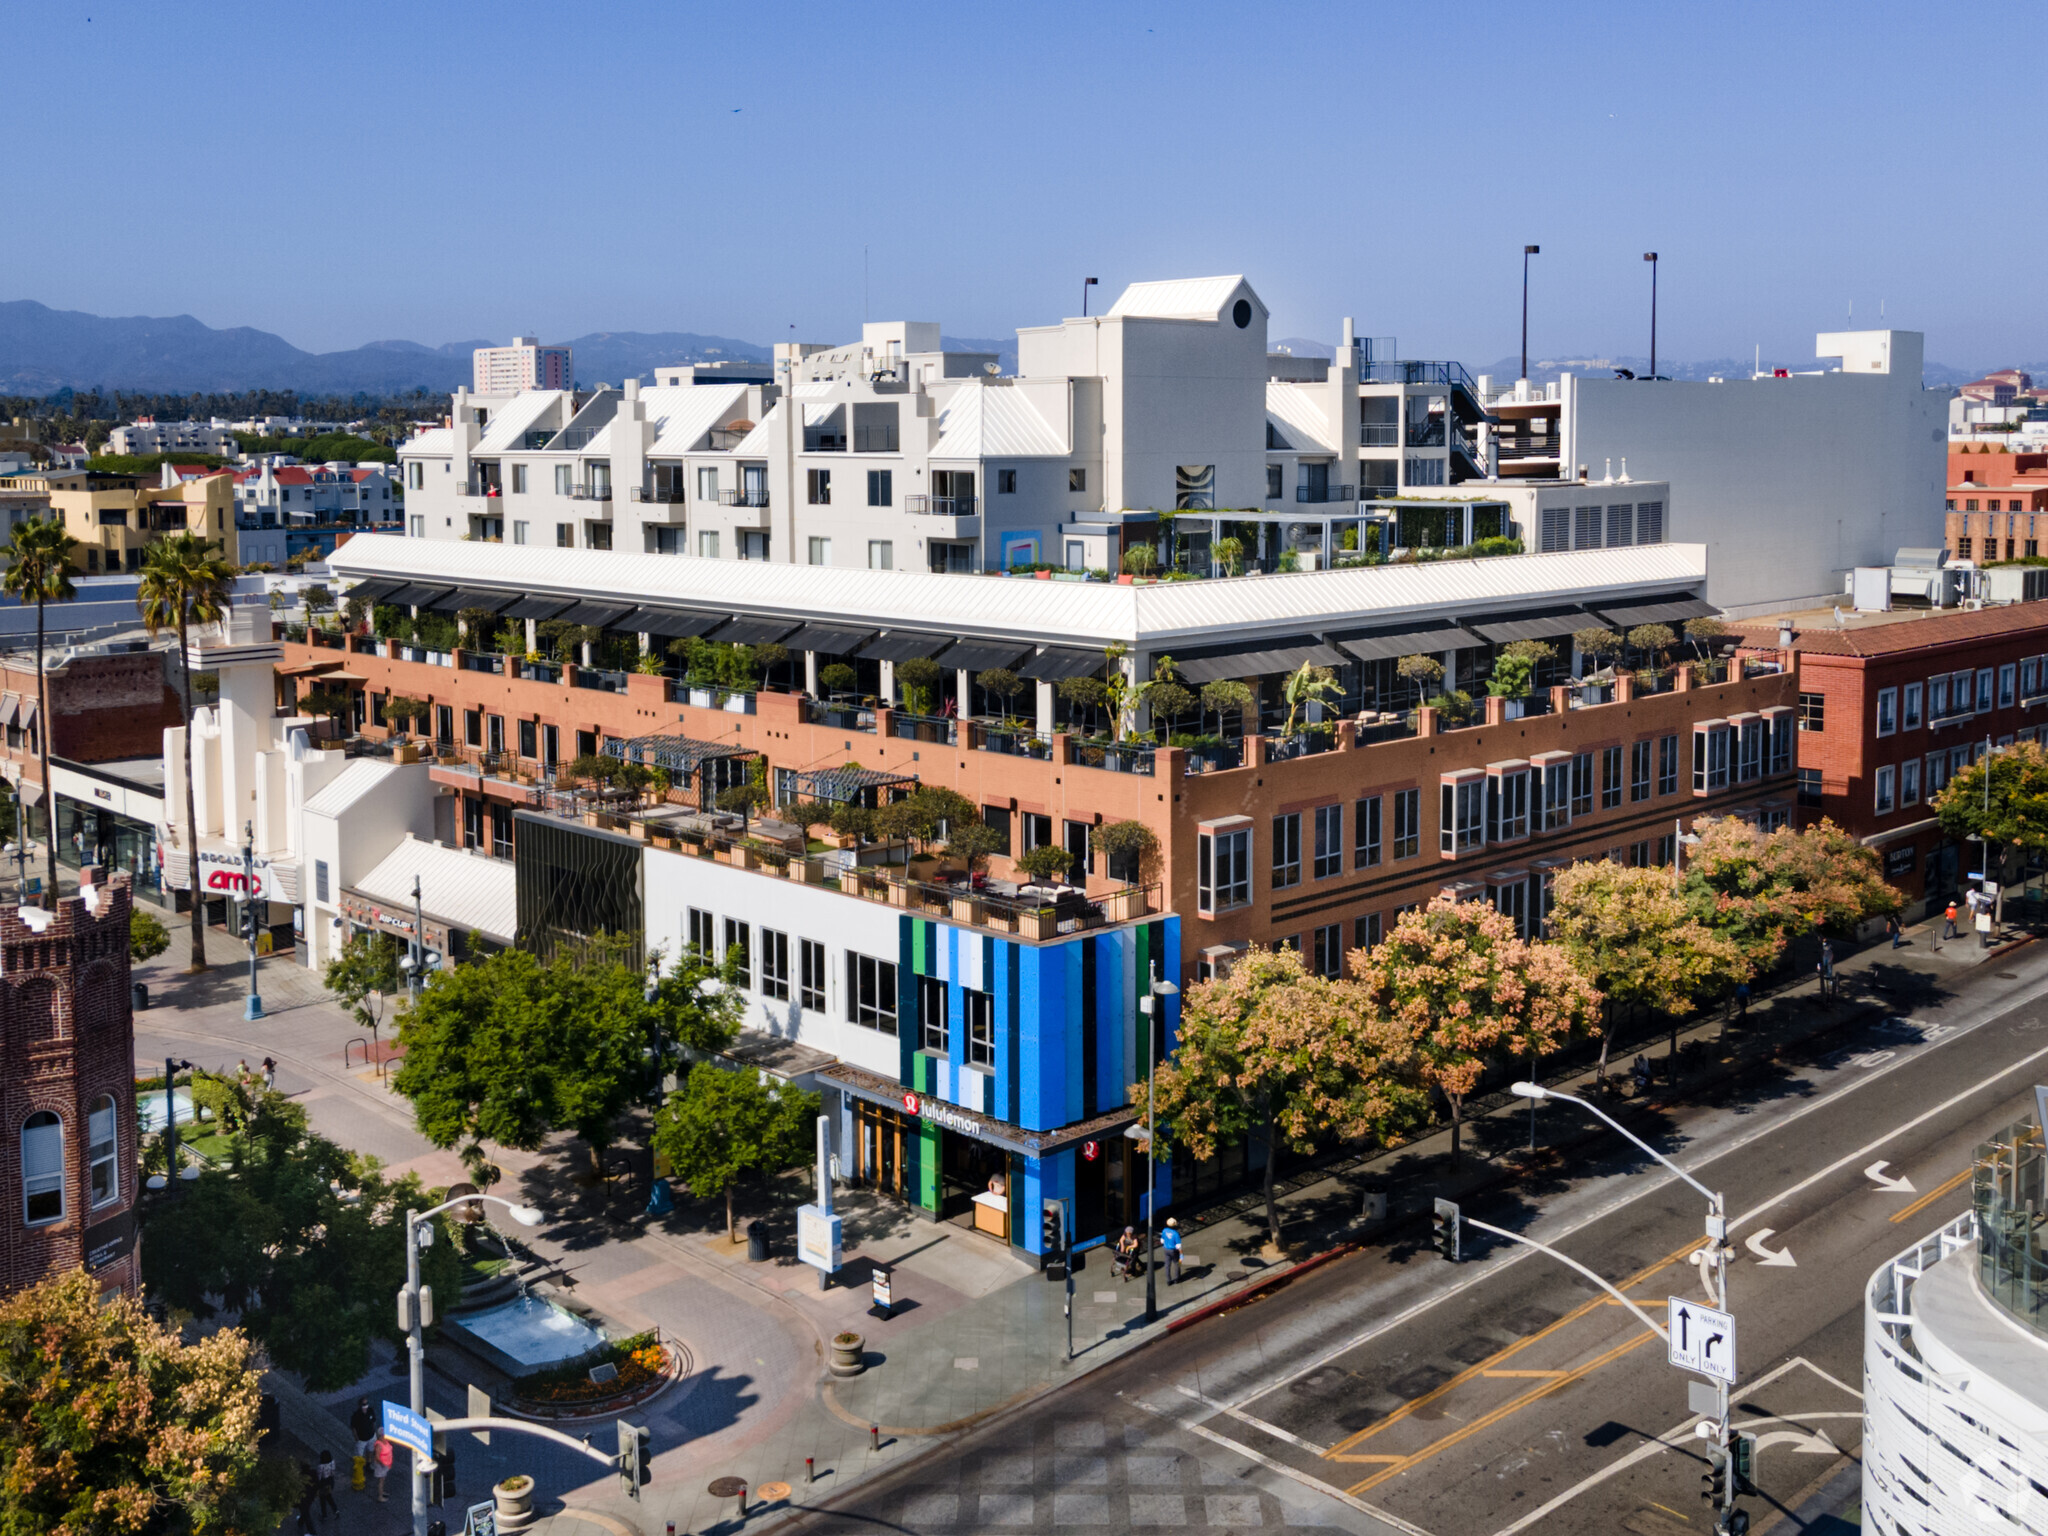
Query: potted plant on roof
1513, 670
1130, 853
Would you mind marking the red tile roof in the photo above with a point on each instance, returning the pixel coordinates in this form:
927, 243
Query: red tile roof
1902, 635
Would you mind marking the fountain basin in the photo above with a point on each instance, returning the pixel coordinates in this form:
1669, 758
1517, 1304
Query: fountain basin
526, 1334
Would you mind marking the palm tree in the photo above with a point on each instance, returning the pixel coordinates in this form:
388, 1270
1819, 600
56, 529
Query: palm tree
39, 572
184, 583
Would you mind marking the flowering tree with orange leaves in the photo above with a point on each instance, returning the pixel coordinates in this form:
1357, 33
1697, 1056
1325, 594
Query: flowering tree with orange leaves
1763, 889
110, 1423
1270, 1049
1465, 991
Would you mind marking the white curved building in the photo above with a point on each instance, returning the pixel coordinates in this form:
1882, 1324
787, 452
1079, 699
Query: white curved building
1955, 1366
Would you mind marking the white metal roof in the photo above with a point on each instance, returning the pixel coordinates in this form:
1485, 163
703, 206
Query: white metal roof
360, 778
1179, 298
1046, 612
466, 890
756, 443
1296, 412
982, 421
511, 422
679, 413
433, 440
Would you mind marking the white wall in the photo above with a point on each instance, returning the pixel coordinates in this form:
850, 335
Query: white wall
1789, 482
356, 842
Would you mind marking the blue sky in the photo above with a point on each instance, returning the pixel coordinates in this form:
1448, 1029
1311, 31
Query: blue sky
434, 171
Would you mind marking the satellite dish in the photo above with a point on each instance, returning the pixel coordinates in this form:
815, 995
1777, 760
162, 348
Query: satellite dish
991, 369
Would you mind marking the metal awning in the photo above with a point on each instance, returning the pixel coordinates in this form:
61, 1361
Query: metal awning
1665, 610
469, 597
829, 639
672, 623
755, 631
1249, 662
9, 704
535, 608
1388, 644
1544, 624
421, 596
905, 645
598, 615
678, 754
1056, 663
981, 655
374, 591
29, 710
301, 669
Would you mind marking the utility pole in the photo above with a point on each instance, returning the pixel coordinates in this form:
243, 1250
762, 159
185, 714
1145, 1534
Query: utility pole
413, 981
254, 1007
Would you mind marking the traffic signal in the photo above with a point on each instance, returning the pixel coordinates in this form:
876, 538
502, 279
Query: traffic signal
635, 1455
1742, 1451
1736, 1523
1054, 1229
1714, 1481
249, 921
1444, 1230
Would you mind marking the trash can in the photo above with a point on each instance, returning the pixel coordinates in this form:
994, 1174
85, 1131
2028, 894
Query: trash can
138, 995
757, 1241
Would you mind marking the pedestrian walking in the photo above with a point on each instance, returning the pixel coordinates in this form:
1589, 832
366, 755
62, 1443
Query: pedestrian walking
1742, 999
1827, 969
305, 1525
363, 1425
380, 1463
1950, 916
323, 1484
1896, 929
1641, 1073
269, 1075
1170, 1241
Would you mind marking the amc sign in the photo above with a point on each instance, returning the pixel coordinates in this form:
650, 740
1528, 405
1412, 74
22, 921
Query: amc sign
221, 875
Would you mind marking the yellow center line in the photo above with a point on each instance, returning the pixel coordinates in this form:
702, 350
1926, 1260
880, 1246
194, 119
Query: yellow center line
1931, 1196
1671, 1512
1488, 1420
1472, 1373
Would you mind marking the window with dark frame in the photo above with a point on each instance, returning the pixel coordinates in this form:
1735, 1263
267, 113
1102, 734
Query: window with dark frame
703, 934
979, 1009
1639, 771
1610, 778
1329, 849
1365, 833
810, 975
775, 965
1286, 850
1326, 950
871, 993
1667, 765
739, 937
1407, 823
1582, 784
934, 1021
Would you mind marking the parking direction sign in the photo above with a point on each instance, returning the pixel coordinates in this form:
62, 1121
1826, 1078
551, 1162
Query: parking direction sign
1702, 1339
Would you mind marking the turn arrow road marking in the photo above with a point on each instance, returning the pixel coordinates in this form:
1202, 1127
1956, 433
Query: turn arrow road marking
1815, 1444
1764, 1255
1876, 1174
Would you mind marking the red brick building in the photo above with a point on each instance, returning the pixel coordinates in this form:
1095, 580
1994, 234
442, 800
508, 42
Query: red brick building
1997, 504
1888, 712
68, 1157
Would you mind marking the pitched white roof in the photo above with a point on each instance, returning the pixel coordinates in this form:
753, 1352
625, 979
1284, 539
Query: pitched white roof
1295, 411
1180, 298
433, 440
511, 421
1043, 612
465, 890
360, 778
983, 421
679, 413
755, 444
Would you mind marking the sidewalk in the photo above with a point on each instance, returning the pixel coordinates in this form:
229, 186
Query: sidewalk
975, 1331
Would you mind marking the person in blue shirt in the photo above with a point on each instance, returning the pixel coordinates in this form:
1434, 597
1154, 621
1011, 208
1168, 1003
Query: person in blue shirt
1170, 1241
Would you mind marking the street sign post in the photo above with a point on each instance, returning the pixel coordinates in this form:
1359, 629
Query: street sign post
1702, 1339
404, 1427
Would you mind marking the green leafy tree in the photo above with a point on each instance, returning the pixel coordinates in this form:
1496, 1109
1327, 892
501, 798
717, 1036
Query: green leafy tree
1307, 684
1140, 560
1652, 639
1762, 890
2002, 797
1003, 684
1127, 845
1424, 673
509, 1050
1632, 933
1048, 862
1165, 695
112, 1425
919, 679
1516, 666
39, 561
1468, 993
1273, 1051
362, 974
184, 582
326, 702
1228, 696
1704, 633
837, 678
727, 1127
1602, 645
927, 815
300, 1238
147, 937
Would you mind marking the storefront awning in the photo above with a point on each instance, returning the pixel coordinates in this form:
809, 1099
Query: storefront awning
597, 615
1668, 610
298, 669
469, 597
1057, 663
421, 596
828, 639
1545, 624
905, 645
1387, 645
1284, 657
374, 591
10, 706
876, 1089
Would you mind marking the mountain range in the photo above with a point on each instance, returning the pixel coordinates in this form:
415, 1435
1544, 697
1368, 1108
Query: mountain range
43, 350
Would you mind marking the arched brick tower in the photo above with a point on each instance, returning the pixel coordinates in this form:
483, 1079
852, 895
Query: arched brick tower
68, 1159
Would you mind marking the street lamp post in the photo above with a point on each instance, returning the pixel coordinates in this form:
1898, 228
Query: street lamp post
1712, 1260
254, 1007
1149, 1007
1651, 258
1527, 252
411, 1318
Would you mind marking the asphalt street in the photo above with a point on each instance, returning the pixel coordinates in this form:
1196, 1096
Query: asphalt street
1395, 1391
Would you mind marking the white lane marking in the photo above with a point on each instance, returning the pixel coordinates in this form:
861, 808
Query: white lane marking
1815, 1444
1652, 1183
1898, 1130
1194, 1427
1766, 1256
1830, 1380
1884, 1181
1256, 1423
1670, 1439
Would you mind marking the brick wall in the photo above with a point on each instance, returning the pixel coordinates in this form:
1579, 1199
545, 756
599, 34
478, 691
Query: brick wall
103, 707
67, 1039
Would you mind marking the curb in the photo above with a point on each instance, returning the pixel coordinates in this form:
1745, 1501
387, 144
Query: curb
1258, 1287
